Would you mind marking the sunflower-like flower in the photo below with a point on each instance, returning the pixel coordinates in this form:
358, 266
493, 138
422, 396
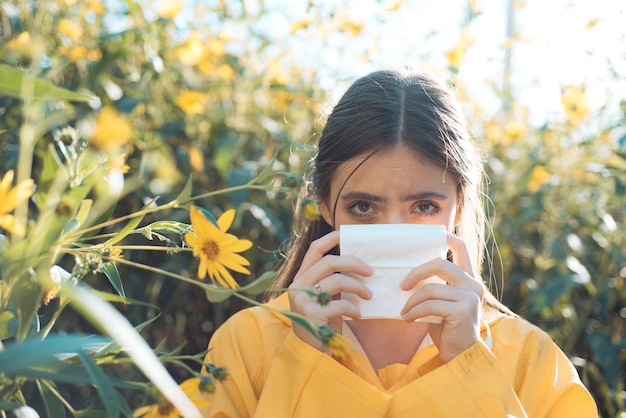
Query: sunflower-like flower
216, 249
10, 198
338, 345
311, 209
193, 389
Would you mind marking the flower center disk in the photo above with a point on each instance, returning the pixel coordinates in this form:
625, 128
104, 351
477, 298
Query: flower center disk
210, 249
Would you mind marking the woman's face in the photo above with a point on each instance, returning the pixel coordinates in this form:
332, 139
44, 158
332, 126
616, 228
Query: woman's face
394, 186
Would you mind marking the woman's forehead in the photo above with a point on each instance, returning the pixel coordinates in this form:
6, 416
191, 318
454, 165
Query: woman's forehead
400, 168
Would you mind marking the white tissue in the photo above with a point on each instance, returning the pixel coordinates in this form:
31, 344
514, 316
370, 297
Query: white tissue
392, 251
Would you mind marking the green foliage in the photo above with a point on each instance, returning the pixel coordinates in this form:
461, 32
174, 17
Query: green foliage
122, 130
559, 228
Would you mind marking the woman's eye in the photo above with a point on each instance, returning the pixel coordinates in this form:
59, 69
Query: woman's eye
427, 208
361, 208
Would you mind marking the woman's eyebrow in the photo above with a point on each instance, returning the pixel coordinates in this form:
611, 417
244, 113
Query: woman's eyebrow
363, 196
376, 198
424, 195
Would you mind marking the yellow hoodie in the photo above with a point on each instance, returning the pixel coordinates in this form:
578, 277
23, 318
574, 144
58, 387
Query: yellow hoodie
274, 374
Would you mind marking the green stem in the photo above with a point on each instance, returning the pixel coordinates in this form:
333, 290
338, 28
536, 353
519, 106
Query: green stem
129, 247
60, 397
173, 204
45, 330
159, 271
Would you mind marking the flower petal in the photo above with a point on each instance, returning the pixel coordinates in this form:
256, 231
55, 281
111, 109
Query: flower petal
6, 182
12, 225
234, 262
238, 246
226, 219
226, 277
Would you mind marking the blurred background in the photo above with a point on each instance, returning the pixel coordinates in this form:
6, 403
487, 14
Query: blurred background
214, 89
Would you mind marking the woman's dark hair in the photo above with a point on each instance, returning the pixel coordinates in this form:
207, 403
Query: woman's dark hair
379, 112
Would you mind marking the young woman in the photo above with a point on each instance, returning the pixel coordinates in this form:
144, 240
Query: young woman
395, 149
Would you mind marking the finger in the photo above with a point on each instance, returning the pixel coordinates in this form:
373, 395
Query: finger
453, 312
460, 254
336, 308
338, 283
448, 272
436, 291
328, 265
318, 249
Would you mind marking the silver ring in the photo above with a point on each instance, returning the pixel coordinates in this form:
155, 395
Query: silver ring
317, 287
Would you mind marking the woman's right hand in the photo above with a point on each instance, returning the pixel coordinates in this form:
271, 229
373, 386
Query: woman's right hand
324, 269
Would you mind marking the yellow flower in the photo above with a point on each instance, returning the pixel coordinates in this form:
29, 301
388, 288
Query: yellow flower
311, 209
113, 130
171, 8
394, 5
301, 25
22, 41
456, 55
192, 51
192, 388
25, 49
475, 8
574, 101
10, 198
96, 7
196, 159
338, 345
538, 178
514, 129
216, 249
225, 72
117, 163
69, 29
592, 22
494, 132
162, 410
191, 102
350, 26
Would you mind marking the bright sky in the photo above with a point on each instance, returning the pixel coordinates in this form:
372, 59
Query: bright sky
555, 47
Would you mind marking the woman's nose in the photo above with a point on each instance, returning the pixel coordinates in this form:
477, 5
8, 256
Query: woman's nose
397, 217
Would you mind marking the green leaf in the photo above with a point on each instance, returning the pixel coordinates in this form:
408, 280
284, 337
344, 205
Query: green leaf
54, 407
111, 297
225, 151
25, 297
129, 227
16, 357
216, 294
183, 197
110, 270
261, 284
105, 389
145, 324
267, 171
106, 318
91, 413
605, 355
303, 322
5, 317
236, 177
17, 83
163, 227
547, 294
83, 211
9, 406
63, 372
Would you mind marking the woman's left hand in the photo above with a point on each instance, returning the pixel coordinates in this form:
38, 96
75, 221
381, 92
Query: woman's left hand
459, 303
